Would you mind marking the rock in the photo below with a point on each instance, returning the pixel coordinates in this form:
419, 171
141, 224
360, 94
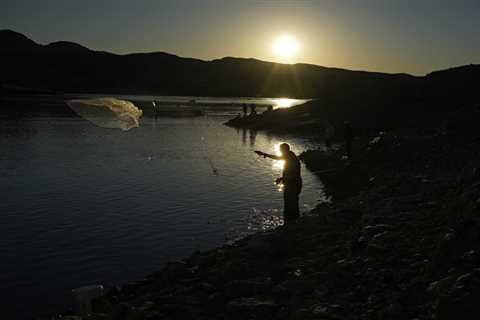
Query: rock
177, 311
259, 247
217, 298
448, 236
133, 287
371, 230
247, 288
432, 287
440, 286
280, 293
147, 305
461, 300
336, 307
463, 307
207, 287
175, 270
381, 236
394, 311
302, 314
470, 256
120, 311
251, 308
376, 249
463, 280
299, 286
320, 310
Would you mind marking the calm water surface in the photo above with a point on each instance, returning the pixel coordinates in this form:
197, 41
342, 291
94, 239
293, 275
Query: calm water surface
85, 205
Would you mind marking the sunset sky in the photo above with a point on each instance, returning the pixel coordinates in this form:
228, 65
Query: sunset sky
377, 35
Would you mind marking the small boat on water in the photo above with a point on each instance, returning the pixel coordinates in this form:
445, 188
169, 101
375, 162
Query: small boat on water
176, 110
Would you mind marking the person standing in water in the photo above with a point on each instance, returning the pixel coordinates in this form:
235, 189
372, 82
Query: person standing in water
155, 109
329, 134
253, 110
291, 179
348, 135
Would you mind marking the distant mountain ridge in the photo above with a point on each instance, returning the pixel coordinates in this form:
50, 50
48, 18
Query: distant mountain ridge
14, 41
66, 46
69, 67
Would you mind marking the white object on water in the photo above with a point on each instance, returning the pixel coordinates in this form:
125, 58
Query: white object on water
107, 112
83, 297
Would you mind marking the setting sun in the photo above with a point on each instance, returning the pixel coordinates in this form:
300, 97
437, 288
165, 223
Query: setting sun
285, 47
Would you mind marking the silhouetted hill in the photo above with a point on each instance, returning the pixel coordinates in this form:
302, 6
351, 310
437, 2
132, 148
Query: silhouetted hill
69, 67
66, 66
458, 86
66, 47
11, 41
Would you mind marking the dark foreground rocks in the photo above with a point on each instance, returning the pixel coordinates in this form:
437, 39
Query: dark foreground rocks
404, 243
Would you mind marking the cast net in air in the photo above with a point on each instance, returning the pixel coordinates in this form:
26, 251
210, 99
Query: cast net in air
107, 112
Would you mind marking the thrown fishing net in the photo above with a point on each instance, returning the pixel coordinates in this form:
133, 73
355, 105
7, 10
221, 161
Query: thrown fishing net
107, 112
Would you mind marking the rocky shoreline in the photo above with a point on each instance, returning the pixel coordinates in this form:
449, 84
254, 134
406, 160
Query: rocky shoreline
400, 241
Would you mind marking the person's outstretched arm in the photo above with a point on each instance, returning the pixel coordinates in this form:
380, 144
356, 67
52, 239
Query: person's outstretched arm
266, 155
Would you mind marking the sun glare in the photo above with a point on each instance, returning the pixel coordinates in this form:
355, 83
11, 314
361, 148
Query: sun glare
285, 47
278, 165
282, 103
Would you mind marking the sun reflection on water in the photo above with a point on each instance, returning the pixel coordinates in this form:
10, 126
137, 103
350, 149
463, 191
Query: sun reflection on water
280, 187
277, 165
282, 103
265, 219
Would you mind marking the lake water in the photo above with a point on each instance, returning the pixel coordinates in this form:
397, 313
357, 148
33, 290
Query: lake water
85, 205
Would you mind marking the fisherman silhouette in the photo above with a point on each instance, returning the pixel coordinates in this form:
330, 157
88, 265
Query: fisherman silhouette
291, 179
244, 108
253, 110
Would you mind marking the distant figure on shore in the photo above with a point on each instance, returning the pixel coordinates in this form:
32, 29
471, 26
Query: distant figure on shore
348, 135
244, 108
156, 108
291, 179
253, 110
329, 134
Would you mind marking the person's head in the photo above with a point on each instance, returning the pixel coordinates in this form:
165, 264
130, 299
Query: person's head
284, 148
